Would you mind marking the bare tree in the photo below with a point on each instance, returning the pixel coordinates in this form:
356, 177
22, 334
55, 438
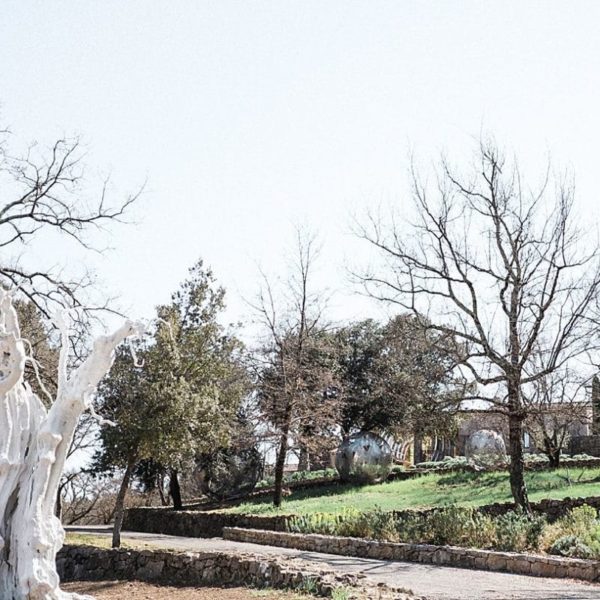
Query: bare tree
294, 371
82, 492
557, 404
503, 269
89, 499
43, 194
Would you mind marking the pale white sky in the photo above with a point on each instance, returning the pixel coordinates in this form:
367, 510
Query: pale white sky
246, 117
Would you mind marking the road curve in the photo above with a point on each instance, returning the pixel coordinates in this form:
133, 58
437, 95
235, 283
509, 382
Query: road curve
431, 581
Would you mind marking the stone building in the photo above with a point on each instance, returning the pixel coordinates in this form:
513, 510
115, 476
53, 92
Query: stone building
577, 420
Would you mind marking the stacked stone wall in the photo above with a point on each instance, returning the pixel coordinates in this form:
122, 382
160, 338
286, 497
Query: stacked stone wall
585, 444
191, 523
88, 563
510, 562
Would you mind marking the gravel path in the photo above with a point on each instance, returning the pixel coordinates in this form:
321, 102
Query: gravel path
432, 581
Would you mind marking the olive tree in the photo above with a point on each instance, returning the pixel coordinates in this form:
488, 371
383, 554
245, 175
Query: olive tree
34, 442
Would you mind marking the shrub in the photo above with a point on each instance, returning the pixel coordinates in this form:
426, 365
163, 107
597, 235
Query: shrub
516, 531
328, 473
309, 585
448, 462
577, 534
322, 523
454, 525
340, 593
572, 546
378, 524
579, 521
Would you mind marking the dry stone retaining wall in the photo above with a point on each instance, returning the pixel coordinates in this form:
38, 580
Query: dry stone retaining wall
192, 523
88, 563
551, 509
510, 562
588, 444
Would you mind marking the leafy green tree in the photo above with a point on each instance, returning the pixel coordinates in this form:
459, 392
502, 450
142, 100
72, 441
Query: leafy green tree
396, 377
180, 396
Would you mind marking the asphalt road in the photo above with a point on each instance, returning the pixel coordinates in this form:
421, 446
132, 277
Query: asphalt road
431, 581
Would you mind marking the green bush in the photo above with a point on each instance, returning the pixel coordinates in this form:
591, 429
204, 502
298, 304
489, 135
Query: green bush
309, 585
516, 531
448, 462
454, 525
580, 521
460, 526
340, 593
571, 546
322, 523
376, 524
577, 534
299, 476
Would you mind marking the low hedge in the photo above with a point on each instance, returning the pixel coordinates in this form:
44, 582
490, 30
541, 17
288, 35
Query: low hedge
575, 535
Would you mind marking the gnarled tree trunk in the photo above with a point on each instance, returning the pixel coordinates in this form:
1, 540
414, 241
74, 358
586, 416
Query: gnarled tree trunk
33, 446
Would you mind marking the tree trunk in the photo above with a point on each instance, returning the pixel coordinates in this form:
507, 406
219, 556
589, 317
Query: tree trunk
33, 450
175, 490
553, 453
279, 468
517, 464
160, 485
418, 449
120, 503
282, 455
58, 505
304, 459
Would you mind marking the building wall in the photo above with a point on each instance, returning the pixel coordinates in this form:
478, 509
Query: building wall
471, 421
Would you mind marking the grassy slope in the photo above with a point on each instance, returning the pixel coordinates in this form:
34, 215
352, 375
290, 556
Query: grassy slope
434, 490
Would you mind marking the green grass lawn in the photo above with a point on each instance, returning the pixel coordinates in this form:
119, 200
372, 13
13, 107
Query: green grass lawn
433, 490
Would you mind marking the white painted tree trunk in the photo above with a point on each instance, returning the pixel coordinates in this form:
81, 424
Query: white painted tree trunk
33, 447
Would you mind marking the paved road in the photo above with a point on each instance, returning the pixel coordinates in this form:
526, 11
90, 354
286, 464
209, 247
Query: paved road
431, 581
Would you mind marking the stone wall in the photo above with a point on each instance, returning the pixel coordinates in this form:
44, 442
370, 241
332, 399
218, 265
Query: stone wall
266, 492
552, 509
510, 562
585, 444
211, 524
192, 523
88, 563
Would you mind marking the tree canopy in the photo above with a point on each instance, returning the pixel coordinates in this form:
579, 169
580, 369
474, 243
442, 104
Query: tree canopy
176, 395
396, 377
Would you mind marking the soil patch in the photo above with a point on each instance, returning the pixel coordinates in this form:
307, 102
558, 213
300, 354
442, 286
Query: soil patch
137, 590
